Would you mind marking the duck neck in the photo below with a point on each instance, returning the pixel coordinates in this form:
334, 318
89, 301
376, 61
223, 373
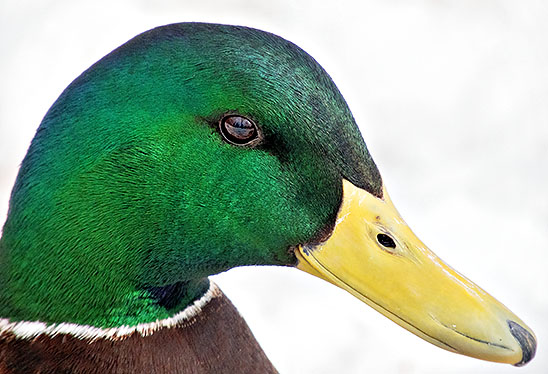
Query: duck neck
55, 286
32, 329
182, 343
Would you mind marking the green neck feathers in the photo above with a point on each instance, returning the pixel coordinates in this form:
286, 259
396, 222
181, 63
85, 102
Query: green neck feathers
129, 197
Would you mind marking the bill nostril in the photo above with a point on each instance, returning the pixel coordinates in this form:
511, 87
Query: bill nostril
386, 241
526, 340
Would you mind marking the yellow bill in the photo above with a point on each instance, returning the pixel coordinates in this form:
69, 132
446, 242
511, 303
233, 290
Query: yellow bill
374, 255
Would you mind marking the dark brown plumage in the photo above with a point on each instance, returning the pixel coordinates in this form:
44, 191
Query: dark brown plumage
217, 340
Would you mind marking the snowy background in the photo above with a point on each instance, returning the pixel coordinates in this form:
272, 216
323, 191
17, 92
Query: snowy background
452, 100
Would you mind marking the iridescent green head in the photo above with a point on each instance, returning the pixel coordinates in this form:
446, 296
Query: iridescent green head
189, 150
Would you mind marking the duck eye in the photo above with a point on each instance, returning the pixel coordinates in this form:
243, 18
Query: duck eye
386, 241
239, 130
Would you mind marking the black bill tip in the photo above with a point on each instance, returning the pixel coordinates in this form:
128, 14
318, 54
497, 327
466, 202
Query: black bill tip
526, 340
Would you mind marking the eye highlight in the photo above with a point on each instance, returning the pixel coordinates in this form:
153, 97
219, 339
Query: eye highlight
239, 130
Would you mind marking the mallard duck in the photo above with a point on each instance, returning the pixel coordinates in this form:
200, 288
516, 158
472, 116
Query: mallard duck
189, 150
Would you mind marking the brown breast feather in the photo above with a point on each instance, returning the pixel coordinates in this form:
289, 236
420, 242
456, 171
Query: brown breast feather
217, 340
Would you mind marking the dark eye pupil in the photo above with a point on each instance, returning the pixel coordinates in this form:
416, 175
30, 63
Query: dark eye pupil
386, 241
238, 129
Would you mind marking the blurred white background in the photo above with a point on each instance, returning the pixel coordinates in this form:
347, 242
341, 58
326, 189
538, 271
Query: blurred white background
452, 100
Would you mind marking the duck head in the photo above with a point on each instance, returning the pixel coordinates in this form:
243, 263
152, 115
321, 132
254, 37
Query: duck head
195, 148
